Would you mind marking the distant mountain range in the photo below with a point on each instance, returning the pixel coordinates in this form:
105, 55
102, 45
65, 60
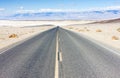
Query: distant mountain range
85, 15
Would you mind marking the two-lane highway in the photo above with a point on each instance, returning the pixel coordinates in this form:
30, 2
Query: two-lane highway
59, 53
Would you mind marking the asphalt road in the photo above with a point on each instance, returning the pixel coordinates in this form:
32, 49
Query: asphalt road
78, 57
83, 58
33, 58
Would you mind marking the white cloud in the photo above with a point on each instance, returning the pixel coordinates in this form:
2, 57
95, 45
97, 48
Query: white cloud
2, 9
25, 11
80, 10
102, 8
112, 8
57, 10
22, 10
50, 10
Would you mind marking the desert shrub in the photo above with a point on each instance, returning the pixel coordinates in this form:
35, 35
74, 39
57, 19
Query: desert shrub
98, 30
118, 29
115, 38
13, 36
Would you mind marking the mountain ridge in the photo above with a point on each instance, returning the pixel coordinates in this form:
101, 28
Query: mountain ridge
85, 15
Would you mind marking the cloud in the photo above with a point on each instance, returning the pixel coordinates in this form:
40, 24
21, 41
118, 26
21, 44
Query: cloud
22, 10
102, 8
57, 10
44, 14
50, 10
25, 11
80, 10
112, 7
2, 9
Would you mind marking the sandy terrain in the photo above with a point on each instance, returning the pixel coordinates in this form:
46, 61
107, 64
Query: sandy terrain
22, 30
7, 34
31, 23
106, 33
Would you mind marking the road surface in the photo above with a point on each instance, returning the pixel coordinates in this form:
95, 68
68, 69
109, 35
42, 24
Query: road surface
78, 57
35, 58
83, 58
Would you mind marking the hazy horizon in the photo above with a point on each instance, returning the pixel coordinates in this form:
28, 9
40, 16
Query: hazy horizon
59, 10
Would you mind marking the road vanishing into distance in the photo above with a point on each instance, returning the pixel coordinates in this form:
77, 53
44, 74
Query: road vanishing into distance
76, 55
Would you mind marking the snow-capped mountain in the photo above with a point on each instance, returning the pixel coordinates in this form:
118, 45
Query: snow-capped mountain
85, 15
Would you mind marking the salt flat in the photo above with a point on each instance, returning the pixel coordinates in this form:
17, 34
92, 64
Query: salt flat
25, 29
21, 33
106, 33
49, 22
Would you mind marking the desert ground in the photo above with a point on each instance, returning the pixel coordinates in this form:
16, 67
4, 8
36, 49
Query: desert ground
10, 35
34, 23
105, 32
15, 31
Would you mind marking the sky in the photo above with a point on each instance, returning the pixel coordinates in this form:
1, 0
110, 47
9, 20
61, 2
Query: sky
13, 6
